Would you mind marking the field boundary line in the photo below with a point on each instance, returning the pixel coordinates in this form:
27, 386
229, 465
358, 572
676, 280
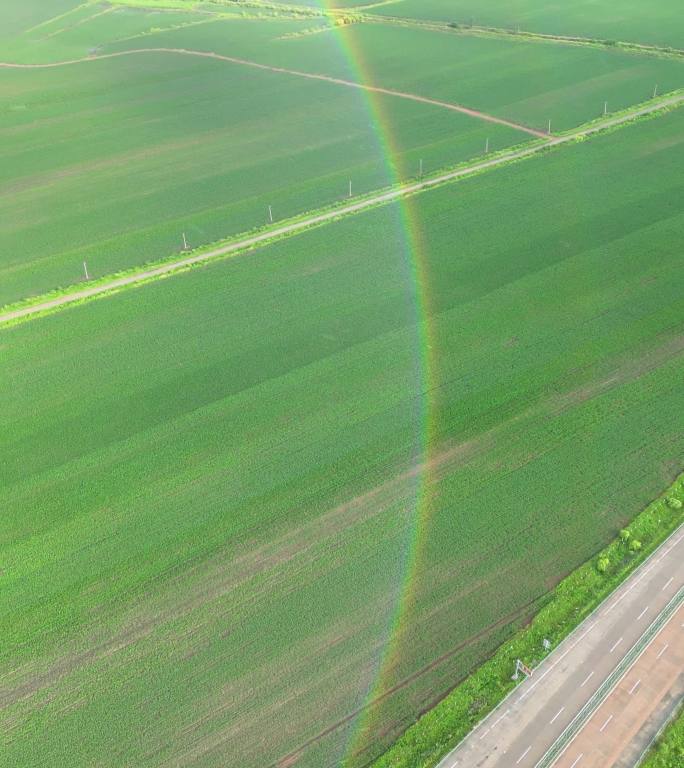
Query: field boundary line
523, 35
468, 111
301, 224
558, 748
361, 14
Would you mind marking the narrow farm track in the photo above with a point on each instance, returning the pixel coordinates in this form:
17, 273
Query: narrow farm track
331, 215
296, 73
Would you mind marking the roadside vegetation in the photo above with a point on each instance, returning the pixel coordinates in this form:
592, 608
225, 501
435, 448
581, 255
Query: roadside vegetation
668, 751
441, 729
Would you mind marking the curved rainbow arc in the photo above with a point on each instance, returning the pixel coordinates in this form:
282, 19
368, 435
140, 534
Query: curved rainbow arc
415, 255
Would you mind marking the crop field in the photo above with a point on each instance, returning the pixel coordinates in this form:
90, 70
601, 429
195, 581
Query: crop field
109, 162
527, 82
17, 18
658, 23
267, 511
209, 483
113, 164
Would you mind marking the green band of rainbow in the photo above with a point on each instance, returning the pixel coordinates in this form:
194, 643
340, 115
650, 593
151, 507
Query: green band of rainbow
412, 242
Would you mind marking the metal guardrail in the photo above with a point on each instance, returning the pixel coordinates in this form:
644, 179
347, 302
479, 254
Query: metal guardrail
582, 717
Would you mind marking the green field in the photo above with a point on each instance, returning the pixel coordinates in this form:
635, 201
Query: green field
660, 22
17, 18
265, 513
526, 82
111, 164
207, 484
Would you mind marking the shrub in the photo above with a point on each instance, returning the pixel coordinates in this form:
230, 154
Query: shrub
625, 535
674, 503
634, 545
603, 564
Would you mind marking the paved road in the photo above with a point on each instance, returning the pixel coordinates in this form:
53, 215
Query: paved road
620, 730
535, 722
302, 224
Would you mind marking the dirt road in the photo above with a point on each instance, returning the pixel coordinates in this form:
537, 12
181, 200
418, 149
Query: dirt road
295, 72
318, 219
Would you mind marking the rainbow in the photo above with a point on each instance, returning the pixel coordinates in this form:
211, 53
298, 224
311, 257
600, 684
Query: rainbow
411, 237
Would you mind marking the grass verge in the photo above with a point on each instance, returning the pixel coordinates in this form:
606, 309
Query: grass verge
668, 751
444, 726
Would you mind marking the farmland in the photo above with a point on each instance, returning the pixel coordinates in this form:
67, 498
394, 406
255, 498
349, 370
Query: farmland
110, 161
133, 170
179, 544
660, 23
267, 511
529, 83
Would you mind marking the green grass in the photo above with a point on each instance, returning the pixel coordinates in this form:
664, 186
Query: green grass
20, 17
658, 23
184, 577
529, 82
83, 28
669, 750
109, 162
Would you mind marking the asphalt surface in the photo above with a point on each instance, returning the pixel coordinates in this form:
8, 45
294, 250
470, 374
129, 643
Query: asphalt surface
304, 223
630, 717
534, 725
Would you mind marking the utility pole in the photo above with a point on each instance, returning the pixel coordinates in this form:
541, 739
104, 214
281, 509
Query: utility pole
350, 188
655, 91
185, 243
420, 172
85, 269
270, 214
549, 131
605, 108
487, 147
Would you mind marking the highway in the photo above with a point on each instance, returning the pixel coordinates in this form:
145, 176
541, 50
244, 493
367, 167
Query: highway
552, 718
631, 716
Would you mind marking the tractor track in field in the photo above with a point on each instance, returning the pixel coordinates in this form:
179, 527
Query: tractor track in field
302, 224
296, 73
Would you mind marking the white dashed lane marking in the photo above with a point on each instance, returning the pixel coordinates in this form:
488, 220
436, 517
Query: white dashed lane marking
605, 725
587, 679
556, 716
